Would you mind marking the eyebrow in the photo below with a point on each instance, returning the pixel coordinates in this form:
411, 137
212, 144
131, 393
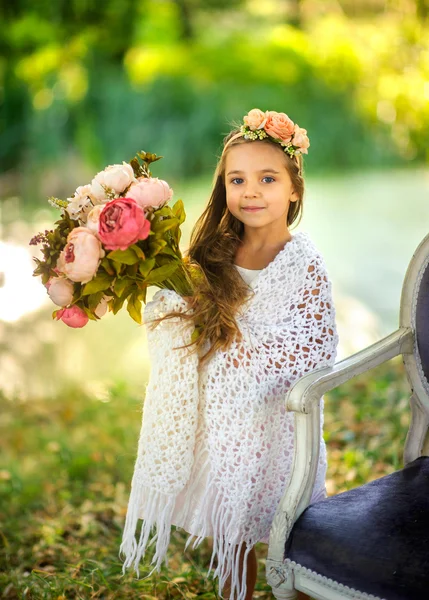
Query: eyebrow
261, 171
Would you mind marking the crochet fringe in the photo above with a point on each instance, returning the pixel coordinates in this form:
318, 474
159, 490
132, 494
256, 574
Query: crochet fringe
158, 512
155, 517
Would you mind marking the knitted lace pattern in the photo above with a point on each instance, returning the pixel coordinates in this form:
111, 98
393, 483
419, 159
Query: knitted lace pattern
229, 414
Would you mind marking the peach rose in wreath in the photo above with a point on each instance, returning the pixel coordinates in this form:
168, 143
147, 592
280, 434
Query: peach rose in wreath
255, 119
279, 125
300, 139
122, 223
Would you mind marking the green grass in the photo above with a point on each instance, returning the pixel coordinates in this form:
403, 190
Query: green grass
64, 479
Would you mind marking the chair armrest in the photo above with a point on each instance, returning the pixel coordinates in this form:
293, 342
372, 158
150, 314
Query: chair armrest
303, 398
308, 390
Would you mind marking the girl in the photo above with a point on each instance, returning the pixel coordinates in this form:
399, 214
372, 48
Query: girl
216, 445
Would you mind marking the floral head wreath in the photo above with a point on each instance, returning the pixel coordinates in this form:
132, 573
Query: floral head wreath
275, 126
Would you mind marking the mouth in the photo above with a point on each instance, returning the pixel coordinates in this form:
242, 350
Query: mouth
252, 208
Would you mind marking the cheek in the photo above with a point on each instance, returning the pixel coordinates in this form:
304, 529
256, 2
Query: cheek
232, 197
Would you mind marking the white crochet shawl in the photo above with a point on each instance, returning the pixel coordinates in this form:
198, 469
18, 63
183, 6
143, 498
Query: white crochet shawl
229, 415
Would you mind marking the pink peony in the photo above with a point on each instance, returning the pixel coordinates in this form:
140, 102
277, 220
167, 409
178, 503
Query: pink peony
150, 192
279, 125
300, 139
255, 119
73, 316
60, 290
122, 223
80, 258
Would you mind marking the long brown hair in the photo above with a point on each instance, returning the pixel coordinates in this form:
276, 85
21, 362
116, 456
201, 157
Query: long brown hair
220, 290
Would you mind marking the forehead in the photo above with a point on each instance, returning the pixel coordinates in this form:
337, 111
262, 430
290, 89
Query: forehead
253, 156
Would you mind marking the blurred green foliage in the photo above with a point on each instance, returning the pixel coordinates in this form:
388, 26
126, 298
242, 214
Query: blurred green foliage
104, 79
66, 469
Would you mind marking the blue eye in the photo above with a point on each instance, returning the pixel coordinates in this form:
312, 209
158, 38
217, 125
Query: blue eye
266, 177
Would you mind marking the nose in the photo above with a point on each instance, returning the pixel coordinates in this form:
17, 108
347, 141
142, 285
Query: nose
250, 191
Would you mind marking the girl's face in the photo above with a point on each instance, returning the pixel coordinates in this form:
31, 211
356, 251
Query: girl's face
256, 176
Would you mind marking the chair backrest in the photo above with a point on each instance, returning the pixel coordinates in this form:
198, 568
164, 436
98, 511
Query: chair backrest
414, 313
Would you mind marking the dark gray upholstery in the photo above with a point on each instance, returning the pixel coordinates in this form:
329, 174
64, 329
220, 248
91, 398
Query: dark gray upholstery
374, 538
422, 324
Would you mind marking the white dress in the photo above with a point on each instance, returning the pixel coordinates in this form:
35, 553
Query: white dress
201, 471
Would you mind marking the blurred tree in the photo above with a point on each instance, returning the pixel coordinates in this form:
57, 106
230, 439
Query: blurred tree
422, 9
295, 15
99, 77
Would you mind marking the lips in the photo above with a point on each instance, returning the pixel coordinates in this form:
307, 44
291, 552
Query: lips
252, 208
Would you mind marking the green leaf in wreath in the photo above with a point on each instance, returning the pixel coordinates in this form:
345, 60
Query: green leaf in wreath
98, 283
125, 257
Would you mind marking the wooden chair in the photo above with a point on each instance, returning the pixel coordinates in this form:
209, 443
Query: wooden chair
371, 542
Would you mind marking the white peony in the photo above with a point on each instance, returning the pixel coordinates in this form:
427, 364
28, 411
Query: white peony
113, 179
60, 290
81, 203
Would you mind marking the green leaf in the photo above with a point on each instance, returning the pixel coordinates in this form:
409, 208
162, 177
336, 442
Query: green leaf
122, 284
134, 308
117, 267
107, 266
146, 266
94, 299
118, 303
90, 314
132, 270
165, 272
179, 211
157, 245
126, 257
165, 225
138, 251
195, 334
165, 211
168, 250
100, 282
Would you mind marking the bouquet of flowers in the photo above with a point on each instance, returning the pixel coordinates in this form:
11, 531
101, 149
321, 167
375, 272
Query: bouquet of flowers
116, 237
